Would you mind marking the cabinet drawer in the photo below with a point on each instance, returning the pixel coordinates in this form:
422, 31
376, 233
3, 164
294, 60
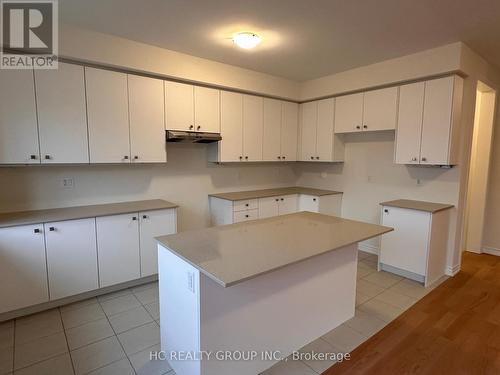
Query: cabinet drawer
245, 215
250, 204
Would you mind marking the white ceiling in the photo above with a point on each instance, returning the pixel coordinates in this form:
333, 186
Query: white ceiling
303, 39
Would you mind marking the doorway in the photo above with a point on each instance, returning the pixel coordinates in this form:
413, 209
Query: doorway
479, 167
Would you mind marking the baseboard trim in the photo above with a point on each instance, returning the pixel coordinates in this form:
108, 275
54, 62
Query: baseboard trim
368, 248
491, 251
452, 270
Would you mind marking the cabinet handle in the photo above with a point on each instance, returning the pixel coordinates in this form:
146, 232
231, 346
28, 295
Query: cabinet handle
386, 211
312, 157
424, 159
37, 230
365, 126
413, 159
33, 157
279, 157
246, 157
317, 157
241, 157
52, 229
191, 126
277, 199
314, 199
144, 216
136, 157
283, 157
246, 204
134, 217
48, 157
246, 215
125, 157
358, 127
282, 199
198, 127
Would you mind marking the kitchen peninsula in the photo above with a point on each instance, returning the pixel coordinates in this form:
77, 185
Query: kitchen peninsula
245, 287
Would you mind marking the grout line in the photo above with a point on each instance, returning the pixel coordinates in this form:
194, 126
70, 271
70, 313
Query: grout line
66, 338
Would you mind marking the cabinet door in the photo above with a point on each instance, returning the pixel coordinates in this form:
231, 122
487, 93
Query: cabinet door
308, 203
18, 123
268, 207
324, 134
23, 270
288, 204
411, 105
289, 131
272, 130
107, 113
308, 125
71, 257
349, 113
252, 127
247, 215
62, 118
147, 121
179, 106
154, 224
118, 248
207, 109
436, 125
231, 146
380, 109
411, 233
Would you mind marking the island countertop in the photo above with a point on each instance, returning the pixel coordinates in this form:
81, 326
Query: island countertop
265, 193
231, 254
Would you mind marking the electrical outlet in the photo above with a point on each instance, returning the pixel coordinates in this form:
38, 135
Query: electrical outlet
68, 183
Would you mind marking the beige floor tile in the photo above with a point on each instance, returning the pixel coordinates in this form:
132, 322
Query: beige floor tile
86, 314
79, 304
365, 323
363, 254
369, 263
367, 288
381, 310
410, 288
120, 304
289, 367
344, 338
383, 279
361, 298
363, 271
60, 365
109, 296
322, 347
140, 338
38, 325
144, 366
121, 367
153, 310
39, 350
130, 319
88, 333
396, 299
6, 334
97, 355
6, 360
148, 296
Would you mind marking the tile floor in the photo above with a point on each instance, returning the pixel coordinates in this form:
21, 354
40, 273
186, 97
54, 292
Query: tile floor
113, 334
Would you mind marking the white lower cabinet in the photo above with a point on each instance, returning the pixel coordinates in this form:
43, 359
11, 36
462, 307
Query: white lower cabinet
154, 224
71, 257
325, 204
118, 247
23, 270
268, 207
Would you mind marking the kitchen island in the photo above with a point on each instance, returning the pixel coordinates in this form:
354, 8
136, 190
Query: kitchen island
256, 291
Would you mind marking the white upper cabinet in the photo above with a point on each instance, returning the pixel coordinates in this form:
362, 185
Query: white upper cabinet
179, 106
429, 118
107, 113
147, 121
230, 149
253, 107
408, 134
71, 257
206, 109
380, 109
441, 121
289, 131
62, 118
272, 130
18, 122
308, 128
324, 133
349, 113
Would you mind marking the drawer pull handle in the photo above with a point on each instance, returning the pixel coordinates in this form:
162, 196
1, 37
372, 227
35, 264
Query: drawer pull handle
246, 216
36, 230
314, 199
144, 216
386, 211
134, 217
246, 204
52, 229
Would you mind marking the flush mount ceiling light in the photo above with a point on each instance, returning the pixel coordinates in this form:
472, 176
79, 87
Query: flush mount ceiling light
246, 40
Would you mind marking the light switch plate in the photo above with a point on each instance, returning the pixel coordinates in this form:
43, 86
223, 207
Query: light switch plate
68, 183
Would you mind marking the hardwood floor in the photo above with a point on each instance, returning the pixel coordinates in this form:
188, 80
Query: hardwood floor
455, 329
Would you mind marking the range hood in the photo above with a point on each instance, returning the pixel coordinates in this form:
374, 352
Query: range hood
192, 137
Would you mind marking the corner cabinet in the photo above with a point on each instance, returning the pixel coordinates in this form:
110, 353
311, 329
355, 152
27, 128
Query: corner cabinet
318, 143
429, 119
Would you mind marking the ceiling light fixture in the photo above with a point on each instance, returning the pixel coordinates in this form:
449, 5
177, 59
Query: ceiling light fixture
247, 40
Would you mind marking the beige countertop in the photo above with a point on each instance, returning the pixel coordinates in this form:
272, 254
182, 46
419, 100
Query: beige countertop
231, 254
253, 194
418, 205
10, 219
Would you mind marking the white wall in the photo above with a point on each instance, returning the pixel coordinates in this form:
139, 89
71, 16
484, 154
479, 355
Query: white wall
186, 179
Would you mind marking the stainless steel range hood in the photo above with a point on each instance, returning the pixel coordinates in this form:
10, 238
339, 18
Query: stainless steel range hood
192, 137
